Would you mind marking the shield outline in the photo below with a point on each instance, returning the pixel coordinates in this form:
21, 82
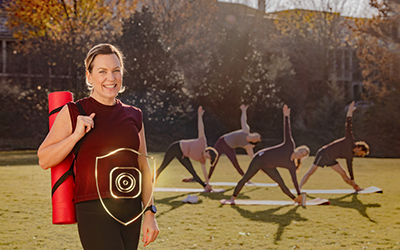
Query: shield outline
153, 184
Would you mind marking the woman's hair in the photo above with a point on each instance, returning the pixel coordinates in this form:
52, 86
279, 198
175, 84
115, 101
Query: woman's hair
213, 154
255, 135
297, 162
363, 145
102, 49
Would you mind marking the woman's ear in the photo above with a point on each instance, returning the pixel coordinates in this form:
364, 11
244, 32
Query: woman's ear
88, 77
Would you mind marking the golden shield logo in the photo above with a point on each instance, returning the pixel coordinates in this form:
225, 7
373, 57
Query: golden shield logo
124, 182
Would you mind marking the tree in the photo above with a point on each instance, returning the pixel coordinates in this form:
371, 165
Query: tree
54, 37
378, 44
61, 32
187, 31
153, 81
313, 39
236, 74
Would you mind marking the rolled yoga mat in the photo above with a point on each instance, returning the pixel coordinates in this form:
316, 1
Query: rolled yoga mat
63, 197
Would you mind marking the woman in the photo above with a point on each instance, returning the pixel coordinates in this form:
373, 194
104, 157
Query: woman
269, 159
195, 149
111, 125
341, 148
227, 144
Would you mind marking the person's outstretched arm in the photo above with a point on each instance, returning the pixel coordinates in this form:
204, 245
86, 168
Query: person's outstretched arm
287, 134
243, 119
349, 131
200, 124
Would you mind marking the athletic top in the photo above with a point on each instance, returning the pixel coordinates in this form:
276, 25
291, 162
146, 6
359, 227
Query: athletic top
343, 148
279, 155
236, 139
115, 127
194, 148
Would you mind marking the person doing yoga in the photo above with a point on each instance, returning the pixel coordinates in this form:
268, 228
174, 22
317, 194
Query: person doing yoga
341, 148
195, 149
227, 143
269, 159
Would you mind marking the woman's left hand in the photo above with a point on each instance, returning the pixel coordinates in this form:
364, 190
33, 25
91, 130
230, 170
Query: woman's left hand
150, 228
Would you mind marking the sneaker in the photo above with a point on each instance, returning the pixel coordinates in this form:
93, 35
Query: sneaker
186, 200
190, 199
193, 199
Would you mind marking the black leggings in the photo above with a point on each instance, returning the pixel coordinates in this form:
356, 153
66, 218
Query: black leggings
255, 165
99, 231
174, 150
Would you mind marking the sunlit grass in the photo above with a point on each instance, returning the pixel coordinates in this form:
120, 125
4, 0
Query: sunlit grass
350, 222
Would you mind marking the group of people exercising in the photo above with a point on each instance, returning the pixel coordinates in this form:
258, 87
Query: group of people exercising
284, 155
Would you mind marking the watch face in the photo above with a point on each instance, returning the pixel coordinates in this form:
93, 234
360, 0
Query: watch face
152, 208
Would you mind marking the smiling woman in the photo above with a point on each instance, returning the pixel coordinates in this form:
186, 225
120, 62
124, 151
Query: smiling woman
104, 71
109, 125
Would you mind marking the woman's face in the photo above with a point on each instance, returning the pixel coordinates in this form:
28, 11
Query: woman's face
207, 155
106, 78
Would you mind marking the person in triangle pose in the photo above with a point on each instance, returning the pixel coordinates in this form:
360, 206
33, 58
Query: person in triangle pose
227, 143
195, 149
341, 148
284, 155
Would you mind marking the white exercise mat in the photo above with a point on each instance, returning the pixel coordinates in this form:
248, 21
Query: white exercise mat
314, 202
247, 184
186, 190
368, 190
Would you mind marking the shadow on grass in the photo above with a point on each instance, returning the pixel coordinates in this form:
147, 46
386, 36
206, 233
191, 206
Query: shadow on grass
174, 202
267, 216
355, 203
271, 216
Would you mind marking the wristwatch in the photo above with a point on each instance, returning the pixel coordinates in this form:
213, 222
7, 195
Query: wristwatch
152, 208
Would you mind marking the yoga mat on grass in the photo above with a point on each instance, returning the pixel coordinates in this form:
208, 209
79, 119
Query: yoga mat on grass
313, 202
368, 190
247, 184
186, 190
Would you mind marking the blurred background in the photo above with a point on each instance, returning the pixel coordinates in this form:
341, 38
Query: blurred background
316, 57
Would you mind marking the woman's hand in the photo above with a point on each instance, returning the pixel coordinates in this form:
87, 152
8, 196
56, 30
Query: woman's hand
150, 228
298, 199
286, 110
208, 188
200, 111
84, 124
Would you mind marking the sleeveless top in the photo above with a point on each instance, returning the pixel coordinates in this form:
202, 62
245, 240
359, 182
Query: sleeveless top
115, 127
194, 148
236, 139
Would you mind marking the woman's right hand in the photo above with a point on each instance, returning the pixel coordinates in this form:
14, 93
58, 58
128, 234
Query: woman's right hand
286, 110
84, 124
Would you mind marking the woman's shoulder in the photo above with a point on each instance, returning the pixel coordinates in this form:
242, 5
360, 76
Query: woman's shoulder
129, 107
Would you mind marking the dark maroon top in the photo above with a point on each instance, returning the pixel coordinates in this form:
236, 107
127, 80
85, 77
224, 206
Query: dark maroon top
115, 127
343, 148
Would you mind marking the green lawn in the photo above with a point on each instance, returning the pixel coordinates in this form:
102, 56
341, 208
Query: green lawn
369, 221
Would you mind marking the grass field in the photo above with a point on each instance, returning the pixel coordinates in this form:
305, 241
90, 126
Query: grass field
368, 221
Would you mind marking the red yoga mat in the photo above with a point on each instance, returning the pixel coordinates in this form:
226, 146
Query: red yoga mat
63, 197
